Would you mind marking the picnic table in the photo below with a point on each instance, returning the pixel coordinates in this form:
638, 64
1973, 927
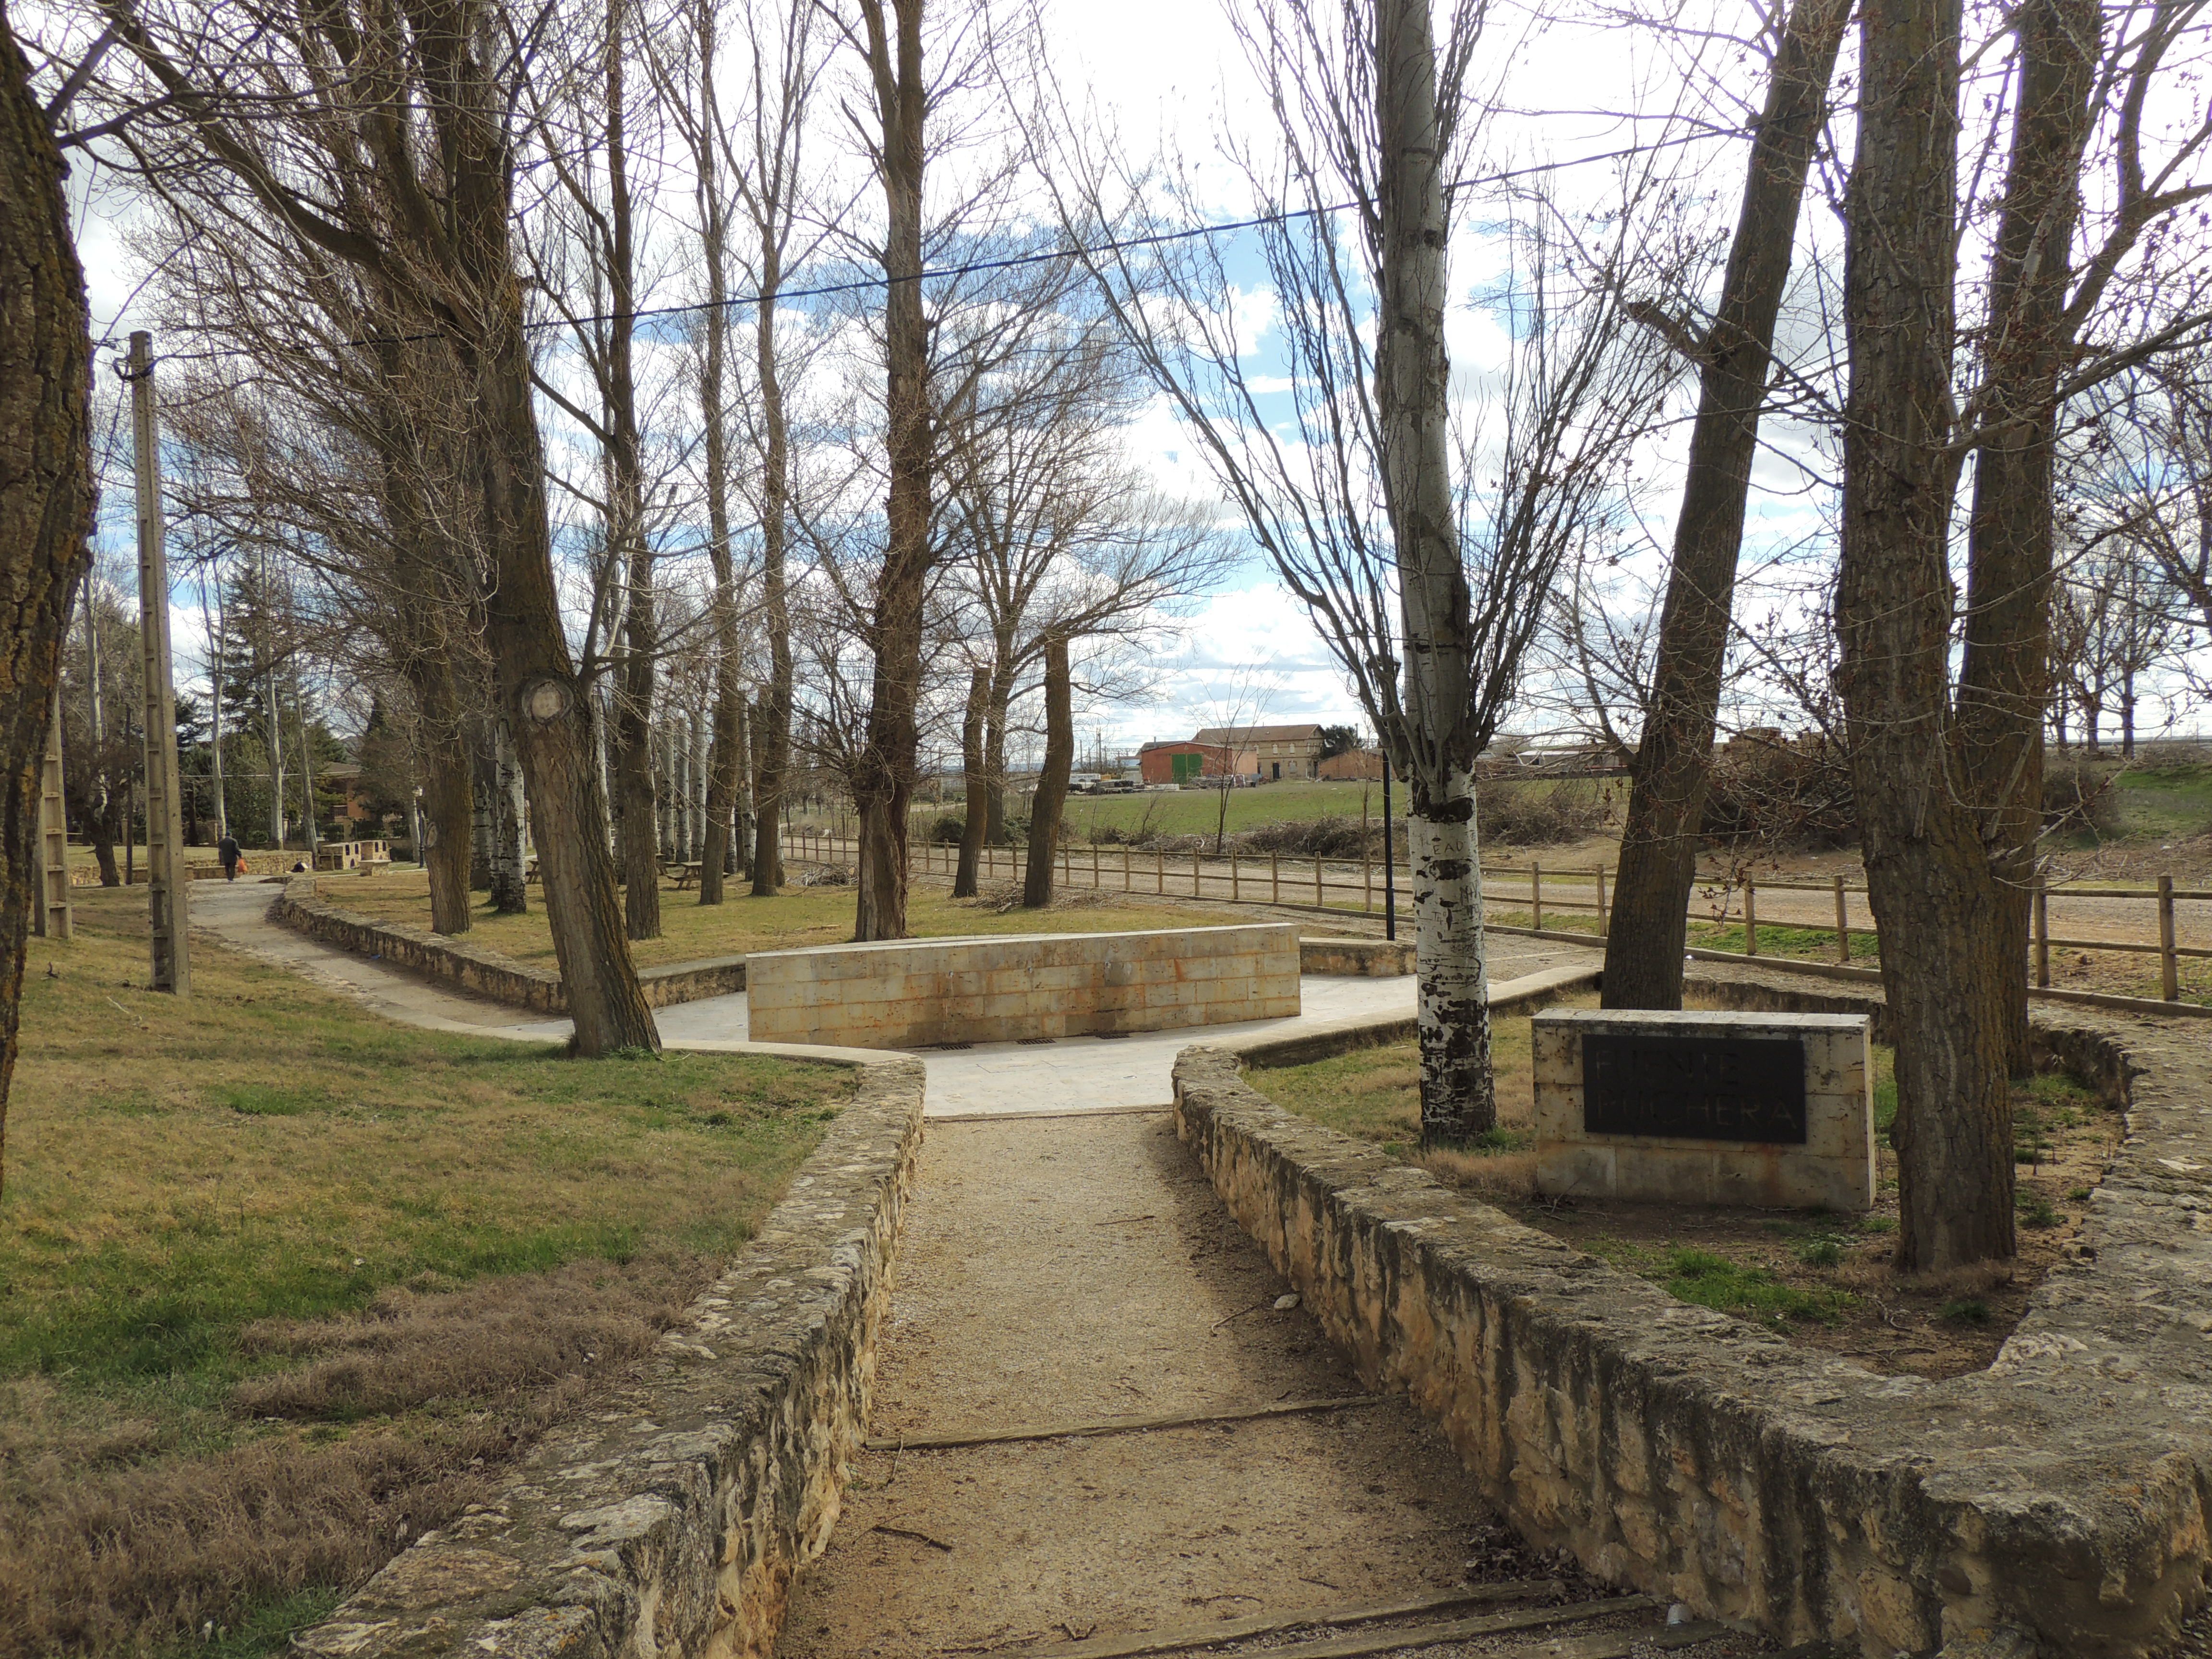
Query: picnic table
687, 875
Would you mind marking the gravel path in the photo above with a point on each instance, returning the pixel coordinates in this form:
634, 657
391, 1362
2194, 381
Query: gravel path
1077, 1270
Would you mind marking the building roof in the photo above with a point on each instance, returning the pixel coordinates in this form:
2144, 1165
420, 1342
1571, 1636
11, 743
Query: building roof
1258, 734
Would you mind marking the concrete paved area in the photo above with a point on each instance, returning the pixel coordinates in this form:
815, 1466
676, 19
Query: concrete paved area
1069, 1074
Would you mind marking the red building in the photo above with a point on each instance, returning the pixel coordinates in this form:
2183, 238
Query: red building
1182, 762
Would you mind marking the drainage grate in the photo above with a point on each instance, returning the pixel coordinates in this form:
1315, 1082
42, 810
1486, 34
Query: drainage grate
1035, 1043
1112, 1037
948, 1045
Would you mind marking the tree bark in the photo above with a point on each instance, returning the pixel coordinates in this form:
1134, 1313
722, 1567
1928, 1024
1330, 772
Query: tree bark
510, 885
483, 783
2005, 683
1934, 895
448, 792
883, 779
773, 735
1052, 782
627, 540
979, 789
45, 492
1413, 375
1643, 948
995, 716
725, 760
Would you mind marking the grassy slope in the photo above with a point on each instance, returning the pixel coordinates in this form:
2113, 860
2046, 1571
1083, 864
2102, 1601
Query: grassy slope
180, 1171
803, 915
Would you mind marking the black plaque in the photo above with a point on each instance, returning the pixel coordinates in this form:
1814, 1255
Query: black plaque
1695, 1088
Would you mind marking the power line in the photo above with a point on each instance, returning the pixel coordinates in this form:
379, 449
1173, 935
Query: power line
1013, 262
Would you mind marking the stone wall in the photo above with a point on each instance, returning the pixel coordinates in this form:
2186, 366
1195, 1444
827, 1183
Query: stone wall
454, 961
1355, 958
2062, 1493
913, 993
674, 1519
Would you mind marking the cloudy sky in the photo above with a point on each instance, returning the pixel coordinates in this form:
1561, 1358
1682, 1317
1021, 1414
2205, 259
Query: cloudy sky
1170, 77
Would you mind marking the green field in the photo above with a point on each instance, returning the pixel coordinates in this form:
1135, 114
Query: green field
2159, 802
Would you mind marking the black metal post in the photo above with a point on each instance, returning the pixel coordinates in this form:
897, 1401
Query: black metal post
1389, 862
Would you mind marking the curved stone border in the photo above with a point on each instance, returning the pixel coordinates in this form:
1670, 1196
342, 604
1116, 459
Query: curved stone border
2062, 1492
675, 1519
486, 973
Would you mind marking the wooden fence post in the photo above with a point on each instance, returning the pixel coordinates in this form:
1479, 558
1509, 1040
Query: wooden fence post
2169, 968
1535, 896
1275, 878
1194, 869
1367, 884
1236, 892
1750, 917
2042, 933
1843, 924
1320, 903
1600, 901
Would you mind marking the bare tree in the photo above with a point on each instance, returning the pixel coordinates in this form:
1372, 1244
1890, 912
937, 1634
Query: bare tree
1430, 603
403, 167
1644, 953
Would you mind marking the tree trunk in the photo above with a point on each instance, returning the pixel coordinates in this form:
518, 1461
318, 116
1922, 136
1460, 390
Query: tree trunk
1643, 949
1453, 989
1412, 376
979, 791
45, 492
995, 716
510, 885
627, 540
483, 783
1052, 782
1934, 895
773, 737
882, 782
448, 792
2004, 682
725, 761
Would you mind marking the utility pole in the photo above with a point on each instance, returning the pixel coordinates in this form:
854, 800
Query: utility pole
53, 915
164, 832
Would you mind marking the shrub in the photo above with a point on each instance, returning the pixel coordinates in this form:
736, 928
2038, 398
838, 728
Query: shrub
1528, 816
2078, 794
1794, 794
948, 830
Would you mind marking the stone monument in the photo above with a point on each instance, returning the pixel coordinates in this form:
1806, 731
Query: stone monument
1773, 1110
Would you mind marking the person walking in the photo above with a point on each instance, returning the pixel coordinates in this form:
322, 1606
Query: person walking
227, 850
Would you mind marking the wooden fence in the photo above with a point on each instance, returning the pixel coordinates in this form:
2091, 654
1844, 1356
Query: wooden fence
1359, 885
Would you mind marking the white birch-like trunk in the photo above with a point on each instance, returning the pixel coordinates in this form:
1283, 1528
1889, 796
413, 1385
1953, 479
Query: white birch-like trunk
1452, 985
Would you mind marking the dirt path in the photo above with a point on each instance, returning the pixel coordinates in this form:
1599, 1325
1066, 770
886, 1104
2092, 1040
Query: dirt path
1076, 1270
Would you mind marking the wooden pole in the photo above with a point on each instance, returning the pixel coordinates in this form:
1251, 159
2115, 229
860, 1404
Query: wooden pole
1236, 887
1160, 871
1535, 896
2042, 934
1194, 858
1367, 885
1843, 923
2169, 968
1274, 877
172, 959
1600, 901
1319, 902
1750, 917
54, 917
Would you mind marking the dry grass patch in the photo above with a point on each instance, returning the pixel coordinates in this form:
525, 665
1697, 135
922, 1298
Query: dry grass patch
742, 924
1825, 1280
284, 1283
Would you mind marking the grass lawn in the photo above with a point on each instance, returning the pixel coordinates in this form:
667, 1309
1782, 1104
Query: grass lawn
2163, 802
1823, 1279
742, 924
280, 1283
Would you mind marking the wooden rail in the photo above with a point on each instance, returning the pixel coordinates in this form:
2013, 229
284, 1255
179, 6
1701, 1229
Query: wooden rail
1350, 885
